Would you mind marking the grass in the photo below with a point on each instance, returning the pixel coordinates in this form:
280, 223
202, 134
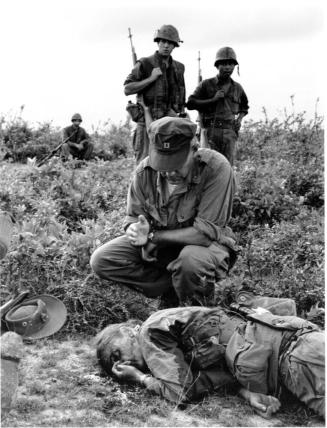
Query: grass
61, 385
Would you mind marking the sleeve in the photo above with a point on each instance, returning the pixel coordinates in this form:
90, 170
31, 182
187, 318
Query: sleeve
136, 74
172, 377
65, 134
85, 136
244, 103
135, 200
215, 207
199, 93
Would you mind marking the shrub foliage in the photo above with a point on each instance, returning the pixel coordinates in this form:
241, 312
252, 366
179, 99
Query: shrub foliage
63, 212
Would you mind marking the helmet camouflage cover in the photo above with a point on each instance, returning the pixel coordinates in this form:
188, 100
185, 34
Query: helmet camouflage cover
225, 53
167, 32
77, 116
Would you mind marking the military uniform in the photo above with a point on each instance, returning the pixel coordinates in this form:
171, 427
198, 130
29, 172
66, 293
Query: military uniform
219, 118
203, 201
165, 96
76, 136
296, 345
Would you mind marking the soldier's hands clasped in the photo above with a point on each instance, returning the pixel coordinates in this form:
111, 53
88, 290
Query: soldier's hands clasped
137, 233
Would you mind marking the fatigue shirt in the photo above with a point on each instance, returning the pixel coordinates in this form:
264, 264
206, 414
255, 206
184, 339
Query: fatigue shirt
161, 337
172, 378
234, 102
204, 201
167, 92
77, 137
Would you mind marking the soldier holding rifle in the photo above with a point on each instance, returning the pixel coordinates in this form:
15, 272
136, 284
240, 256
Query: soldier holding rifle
160, 79
222, 104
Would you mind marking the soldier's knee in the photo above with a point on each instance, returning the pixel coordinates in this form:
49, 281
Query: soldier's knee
97, 261
190, 259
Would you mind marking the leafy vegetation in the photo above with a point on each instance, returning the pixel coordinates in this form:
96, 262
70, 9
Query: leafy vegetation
64, 211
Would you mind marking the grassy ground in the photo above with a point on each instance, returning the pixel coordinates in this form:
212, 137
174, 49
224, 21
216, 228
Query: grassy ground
61, 385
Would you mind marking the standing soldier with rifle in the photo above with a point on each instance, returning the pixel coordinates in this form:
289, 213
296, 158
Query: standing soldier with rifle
222, 104
160, 80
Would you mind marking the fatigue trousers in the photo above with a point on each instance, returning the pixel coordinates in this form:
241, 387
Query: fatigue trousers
189, 270
140, 142
302, 370
223, 141
85, 153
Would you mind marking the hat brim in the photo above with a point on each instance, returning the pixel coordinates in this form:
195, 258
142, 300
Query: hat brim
57, 313
168, 162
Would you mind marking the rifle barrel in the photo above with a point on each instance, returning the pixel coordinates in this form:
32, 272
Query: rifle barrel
134, 57
200, 72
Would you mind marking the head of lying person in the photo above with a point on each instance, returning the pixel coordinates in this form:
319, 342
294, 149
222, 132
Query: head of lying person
118, 343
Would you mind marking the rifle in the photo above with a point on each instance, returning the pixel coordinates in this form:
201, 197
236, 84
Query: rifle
134, 57
199, 69
134, 109
201, 131
42, 161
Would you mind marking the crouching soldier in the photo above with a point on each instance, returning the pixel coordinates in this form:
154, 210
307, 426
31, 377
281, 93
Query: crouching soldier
76, 140
183, 353
177, 242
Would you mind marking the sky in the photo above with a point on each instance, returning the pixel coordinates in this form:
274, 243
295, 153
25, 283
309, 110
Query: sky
61, 57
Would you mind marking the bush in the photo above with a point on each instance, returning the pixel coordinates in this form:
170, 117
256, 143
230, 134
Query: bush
19, 141
64, 212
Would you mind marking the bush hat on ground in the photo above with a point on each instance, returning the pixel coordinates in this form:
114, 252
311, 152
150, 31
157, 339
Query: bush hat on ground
38, 317
170, 142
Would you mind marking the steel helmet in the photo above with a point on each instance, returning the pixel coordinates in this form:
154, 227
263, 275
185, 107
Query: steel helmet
77, 116
167, 32
224, 54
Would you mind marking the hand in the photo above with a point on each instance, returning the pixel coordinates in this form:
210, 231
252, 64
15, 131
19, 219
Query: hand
264, 405
78, 146
156, 72
124, 371
137, 233
237, 124
140, 100
219, 94
171, 113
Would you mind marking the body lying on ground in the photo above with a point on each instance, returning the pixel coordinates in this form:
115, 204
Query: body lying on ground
183, 353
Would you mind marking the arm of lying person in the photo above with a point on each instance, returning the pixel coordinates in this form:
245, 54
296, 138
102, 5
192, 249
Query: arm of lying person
264, 405
126, 372
170, 375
